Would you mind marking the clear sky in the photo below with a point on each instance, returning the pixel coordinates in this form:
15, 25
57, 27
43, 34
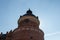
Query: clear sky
48, 12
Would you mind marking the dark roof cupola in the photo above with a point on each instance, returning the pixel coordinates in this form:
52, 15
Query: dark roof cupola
29, 13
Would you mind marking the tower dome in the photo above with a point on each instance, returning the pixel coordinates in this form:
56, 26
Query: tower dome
28, 17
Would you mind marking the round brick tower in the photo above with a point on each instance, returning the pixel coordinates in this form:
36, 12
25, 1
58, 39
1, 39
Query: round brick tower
28, 28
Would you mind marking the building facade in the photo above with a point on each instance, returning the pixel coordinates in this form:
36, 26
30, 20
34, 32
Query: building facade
28, 29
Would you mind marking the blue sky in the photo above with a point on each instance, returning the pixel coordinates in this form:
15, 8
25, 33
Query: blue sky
48, 12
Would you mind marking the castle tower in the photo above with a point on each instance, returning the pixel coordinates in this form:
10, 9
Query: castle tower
28, 28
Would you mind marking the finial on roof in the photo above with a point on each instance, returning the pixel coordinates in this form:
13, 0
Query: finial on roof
29, 12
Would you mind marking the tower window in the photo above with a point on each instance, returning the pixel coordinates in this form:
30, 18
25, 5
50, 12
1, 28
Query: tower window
30, 37
26, 20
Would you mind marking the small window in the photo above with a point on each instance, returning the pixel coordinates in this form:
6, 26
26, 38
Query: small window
31, 37
26, 20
